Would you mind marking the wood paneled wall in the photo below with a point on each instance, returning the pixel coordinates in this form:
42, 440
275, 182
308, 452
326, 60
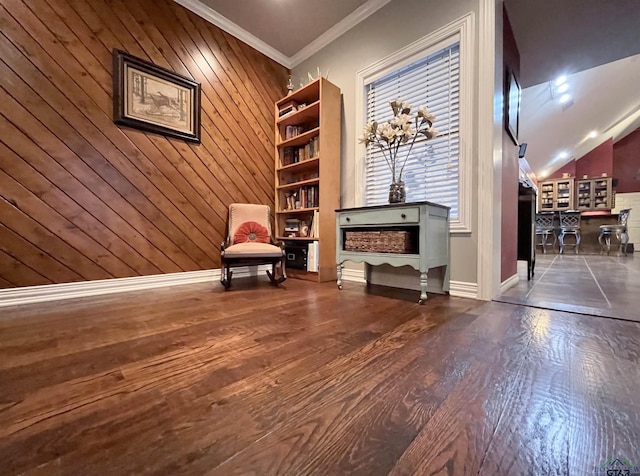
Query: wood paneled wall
83, 199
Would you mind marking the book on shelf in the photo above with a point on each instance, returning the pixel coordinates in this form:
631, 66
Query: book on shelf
293, 155
287, 108
312, 256
306, 196
292, 131
310, 225
315, 224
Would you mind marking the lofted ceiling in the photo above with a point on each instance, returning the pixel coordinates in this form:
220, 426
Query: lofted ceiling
594, 43
597, 46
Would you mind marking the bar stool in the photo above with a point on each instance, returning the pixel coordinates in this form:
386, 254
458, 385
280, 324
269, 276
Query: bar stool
545, 227
619, 230
569, 225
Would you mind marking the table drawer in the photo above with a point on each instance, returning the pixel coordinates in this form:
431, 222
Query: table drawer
381, 217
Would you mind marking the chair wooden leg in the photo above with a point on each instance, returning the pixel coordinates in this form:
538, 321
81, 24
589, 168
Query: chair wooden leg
272, 275
225, 276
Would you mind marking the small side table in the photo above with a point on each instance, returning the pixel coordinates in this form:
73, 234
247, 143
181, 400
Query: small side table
427, 222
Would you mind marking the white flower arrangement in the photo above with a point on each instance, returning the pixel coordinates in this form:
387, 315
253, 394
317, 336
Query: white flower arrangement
389, 136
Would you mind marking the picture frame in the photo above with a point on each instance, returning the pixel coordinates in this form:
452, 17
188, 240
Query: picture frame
512, 106
154, 99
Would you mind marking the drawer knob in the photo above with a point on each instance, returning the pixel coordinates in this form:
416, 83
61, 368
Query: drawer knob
403, 215
348, 219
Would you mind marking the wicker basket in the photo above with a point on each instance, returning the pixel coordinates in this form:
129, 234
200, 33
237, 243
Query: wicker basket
388, 241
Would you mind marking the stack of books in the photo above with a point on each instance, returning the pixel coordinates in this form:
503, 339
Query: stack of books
287, 108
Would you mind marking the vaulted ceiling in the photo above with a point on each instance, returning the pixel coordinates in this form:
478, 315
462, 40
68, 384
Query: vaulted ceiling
594, 43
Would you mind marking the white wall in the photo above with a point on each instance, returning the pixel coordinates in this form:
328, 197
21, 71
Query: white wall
394, 26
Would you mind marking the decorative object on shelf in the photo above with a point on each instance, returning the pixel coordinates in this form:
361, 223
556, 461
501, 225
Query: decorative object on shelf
304, 229
391, 135
319, 75
154, 99
290, 85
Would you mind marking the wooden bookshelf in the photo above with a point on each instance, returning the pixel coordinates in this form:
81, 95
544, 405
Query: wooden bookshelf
307, 170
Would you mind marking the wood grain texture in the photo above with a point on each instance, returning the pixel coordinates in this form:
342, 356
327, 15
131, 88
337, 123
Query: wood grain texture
307, 379
98, 201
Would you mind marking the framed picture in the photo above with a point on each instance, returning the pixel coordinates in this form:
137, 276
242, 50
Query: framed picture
154, 99
512, 106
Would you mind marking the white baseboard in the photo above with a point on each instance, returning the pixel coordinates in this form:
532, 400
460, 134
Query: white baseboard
507, 283
463, 289
456, 288
55, 292
353, 275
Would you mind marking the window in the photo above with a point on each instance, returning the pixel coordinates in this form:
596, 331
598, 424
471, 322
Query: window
432, 171
435, 71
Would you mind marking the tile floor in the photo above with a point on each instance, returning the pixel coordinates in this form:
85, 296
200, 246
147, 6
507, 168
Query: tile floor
601, 285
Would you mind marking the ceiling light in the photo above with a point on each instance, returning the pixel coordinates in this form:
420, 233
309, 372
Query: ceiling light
563, 155
563, 88
561, 80
593, 134
565, 98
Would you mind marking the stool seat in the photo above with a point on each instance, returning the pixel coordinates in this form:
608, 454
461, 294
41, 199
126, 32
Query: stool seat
612, 228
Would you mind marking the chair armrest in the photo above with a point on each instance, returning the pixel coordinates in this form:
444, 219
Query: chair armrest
279, 244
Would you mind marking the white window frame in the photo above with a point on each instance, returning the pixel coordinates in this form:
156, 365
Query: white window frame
461, 31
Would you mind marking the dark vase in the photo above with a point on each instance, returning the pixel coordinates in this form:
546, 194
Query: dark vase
396, 192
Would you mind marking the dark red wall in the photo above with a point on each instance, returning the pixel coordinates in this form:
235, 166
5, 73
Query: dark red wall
568, 168
597, 162
509, 232
592, 164
626, 163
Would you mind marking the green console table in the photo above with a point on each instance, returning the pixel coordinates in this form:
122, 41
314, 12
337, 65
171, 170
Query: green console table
424, 224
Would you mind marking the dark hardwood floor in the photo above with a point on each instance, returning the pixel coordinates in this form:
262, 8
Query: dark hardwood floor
311, 380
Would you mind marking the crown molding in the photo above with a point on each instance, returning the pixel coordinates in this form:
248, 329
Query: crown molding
358, 15
223, 23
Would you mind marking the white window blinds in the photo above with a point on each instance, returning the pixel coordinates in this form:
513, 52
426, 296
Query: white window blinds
432, 171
